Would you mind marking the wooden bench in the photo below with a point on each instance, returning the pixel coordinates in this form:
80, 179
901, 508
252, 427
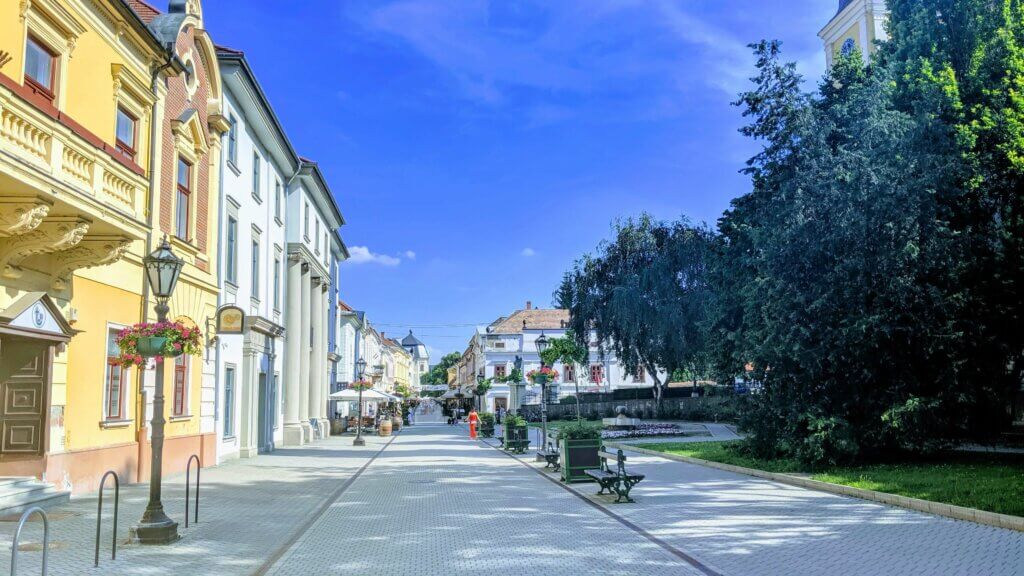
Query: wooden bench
616, 481
551, 456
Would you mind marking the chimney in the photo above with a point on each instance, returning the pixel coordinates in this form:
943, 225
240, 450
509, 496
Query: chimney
529, 305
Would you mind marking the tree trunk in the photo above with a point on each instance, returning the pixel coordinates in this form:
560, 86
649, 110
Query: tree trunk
658, 390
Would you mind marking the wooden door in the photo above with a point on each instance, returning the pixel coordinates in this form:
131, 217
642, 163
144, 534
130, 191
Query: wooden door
24, 386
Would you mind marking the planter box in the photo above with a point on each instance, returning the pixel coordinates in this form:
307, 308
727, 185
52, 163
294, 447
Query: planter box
577, 456
513, 433
487, 430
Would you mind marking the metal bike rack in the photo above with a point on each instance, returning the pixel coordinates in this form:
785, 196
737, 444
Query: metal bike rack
188, 485
17, 534
99, 517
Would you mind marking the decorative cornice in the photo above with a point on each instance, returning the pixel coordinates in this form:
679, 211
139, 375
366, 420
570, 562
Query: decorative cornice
90, 252
52, 235
21, 214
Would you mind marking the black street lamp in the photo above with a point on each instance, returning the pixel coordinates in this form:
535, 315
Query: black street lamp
162, 271
542, 343
361, 373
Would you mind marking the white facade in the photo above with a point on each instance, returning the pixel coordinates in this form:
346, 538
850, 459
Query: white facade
497, 351
257, 160
420, 360
312, 221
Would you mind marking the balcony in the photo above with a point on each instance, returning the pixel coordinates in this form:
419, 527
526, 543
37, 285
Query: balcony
67, 203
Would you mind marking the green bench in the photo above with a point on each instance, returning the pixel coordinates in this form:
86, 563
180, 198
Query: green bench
617, 481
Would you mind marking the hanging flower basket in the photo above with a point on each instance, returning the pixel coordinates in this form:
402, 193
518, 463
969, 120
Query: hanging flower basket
157, 340
361, 385
542, 375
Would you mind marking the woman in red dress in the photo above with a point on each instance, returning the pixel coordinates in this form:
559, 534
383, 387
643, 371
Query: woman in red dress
474, 419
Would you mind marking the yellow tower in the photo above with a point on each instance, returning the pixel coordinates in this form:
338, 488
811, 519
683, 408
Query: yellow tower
856, 26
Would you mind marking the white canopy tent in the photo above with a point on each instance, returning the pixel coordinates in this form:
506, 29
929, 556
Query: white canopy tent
371, 395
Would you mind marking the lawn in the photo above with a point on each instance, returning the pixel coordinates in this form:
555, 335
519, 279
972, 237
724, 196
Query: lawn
992, 482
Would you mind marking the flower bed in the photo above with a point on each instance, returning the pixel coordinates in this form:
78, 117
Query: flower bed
643, 431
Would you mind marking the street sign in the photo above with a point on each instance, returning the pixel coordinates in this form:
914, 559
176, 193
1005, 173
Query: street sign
230, 320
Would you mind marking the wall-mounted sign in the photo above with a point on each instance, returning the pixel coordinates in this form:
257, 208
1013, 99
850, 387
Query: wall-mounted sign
230, 320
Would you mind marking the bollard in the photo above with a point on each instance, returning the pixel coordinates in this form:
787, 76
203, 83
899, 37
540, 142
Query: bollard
188, 484
99, 517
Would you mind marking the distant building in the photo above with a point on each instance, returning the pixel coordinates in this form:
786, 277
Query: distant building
510, 342
420, 359
855, 26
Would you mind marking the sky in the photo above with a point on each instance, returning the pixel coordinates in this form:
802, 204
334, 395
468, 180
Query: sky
477, 148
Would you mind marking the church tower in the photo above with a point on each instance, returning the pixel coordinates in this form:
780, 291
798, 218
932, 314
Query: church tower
856, 26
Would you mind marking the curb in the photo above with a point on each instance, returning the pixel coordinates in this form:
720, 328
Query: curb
916, 504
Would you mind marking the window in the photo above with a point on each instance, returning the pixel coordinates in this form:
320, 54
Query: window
115, 379
848, 47
499, 345
184, 192
231, 272
639, 375
499, 371
180, 385
569, 373
317, 235
256, 269
596, 373
256, 175
277, 283
40, 67
229, 401
277, 199
273, 399
305, 220
232, 139
126, 131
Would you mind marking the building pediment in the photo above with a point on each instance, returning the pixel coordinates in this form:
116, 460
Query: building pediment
36, 314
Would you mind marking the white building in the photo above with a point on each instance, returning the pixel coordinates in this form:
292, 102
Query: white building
257, 162
313, 251
510, 341
420, 360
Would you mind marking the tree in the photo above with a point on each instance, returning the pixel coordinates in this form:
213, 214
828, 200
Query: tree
646, 295
438, 374
570, 351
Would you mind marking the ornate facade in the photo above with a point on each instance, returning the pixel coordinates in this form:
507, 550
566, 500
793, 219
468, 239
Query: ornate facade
76, 109
856, 25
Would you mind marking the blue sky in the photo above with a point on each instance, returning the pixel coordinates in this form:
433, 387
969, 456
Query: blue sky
478, 147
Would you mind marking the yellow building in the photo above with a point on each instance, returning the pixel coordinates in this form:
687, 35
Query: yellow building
75, 117
855, 26
403, 365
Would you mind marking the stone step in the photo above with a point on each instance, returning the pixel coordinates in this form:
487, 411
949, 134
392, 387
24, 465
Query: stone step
19, 493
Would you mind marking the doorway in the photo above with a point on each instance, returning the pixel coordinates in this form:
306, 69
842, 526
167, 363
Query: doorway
24, 402
264, 432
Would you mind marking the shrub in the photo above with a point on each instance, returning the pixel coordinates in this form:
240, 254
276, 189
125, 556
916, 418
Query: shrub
579, 431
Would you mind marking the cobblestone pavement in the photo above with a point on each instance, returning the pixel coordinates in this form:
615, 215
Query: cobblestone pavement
247, 510
739, 524
436, 502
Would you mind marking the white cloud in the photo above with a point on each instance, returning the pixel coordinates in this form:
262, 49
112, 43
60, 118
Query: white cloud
363, 255
410, 255
528, 252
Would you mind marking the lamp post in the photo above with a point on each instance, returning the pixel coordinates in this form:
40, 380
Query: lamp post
542, 343
361, 372
458, 403
162, 271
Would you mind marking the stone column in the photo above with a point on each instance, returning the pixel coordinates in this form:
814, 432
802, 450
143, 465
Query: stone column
247, 417
304, 351
293, 338
325, 387
317, 357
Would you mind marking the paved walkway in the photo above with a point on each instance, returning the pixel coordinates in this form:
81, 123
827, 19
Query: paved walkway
738, 524
434, 502
247, 510
437, 503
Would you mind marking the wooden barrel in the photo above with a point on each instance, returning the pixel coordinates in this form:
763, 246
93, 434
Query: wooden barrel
396, 423
385, 428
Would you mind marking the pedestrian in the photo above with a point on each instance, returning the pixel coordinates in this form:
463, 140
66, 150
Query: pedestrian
412, 416
474, 419
499, 414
